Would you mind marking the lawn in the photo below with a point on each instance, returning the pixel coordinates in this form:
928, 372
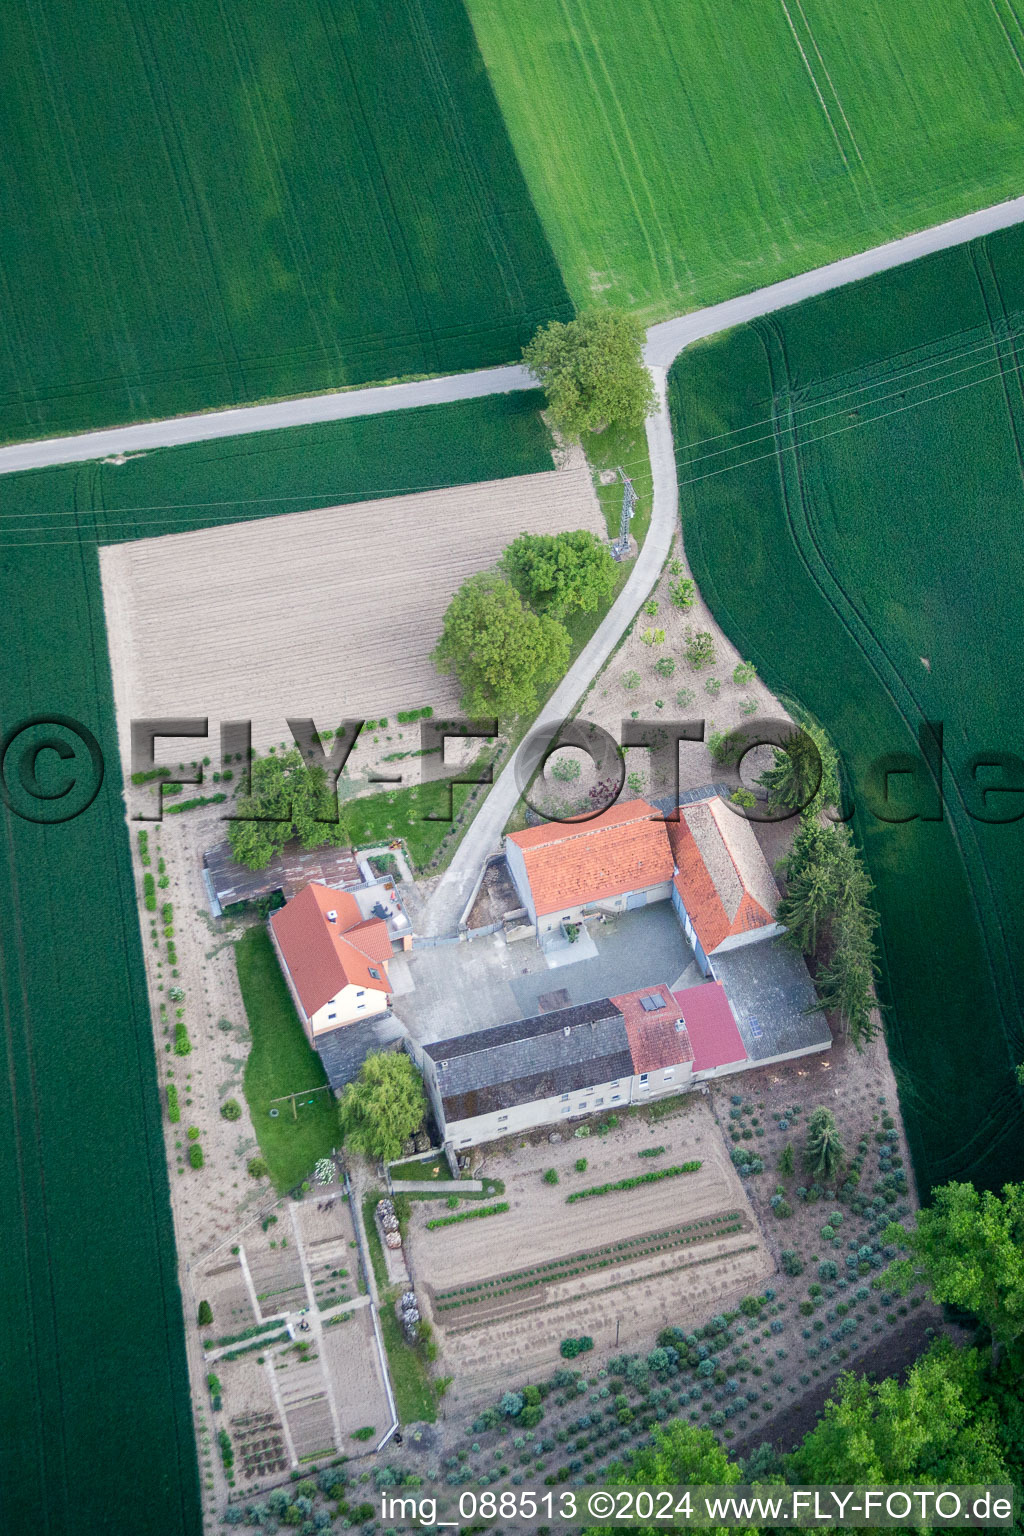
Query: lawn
245, 201
81, 1139
851, 495
679, 154
281, 1060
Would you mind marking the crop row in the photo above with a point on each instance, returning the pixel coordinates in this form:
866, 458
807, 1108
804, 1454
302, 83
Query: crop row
624, 1253
483, 1210
634, 1183
548, 1306
545, 1269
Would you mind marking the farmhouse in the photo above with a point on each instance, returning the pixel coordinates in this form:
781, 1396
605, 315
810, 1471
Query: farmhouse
334, 959
540, 1071
617, 861
707, 860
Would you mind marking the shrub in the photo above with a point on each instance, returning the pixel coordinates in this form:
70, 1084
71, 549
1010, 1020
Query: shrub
651, 637
827, 1270
712, 686
783, 1209
792, 1264
195, 1155
531, 1415
193, 1133
665, 666
828, 1233
551, 1177
581, 1165
630, 680
700, 650
182, 1043
204, 1317
570, 1348
566, 770
512, 1404
149, 892
682, 592
743, 673
685, 697
257, 1167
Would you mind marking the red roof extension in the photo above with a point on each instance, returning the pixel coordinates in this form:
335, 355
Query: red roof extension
324, 956
711, 1027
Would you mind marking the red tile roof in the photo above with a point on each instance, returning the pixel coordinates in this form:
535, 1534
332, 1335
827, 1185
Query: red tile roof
654, 1039
624, 849
322, 955
724, 879
711, 1027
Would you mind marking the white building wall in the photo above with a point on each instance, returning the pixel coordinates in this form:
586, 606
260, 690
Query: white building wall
612, 904
748, 936
600, 1098
348, 1005
517, 869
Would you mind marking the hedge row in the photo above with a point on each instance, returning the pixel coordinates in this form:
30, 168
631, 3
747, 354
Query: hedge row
634, 1183
190, 805
650, 1152
151, 773
482, 1210
173, 1108
407, 716
149, 892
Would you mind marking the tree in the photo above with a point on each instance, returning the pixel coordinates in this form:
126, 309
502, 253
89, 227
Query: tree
936, 1427
678, 1454
287, 799
826, 911
231, 1109
969, 1248
204, 1316
823, 1149
786, 1160
384, 1106
804, 775
561, 573
502, 652
592, 371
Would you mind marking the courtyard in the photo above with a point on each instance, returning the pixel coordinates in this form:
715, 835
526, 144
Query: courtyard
456, 988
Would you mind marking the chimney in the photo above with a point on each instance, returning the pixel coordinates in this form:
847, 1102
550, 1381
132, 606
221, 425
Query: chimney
567, 1031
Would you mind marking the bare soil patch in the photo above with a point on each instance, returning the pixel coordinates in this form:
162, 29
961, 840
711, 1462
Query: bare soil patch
328, 614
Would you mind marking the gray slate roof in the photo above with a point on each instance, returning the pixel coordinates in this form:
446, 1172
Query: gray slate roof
540, 1058
770, 991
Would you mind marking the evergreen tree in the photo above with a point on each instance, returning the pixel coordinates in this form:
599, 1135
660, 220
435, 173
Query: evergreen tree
823, 1150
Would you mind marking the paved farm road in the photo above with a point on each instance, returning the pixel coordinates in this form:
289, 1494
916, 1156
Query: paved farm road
664, 343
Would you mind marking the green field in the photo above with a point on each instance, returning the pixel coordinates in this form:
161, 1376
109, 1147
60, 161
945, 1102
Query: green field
92, 1330
235, 202
851, 495
682, 153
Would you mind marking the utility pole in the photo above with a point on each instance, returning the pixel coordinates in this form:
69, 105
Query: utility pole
620, 547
